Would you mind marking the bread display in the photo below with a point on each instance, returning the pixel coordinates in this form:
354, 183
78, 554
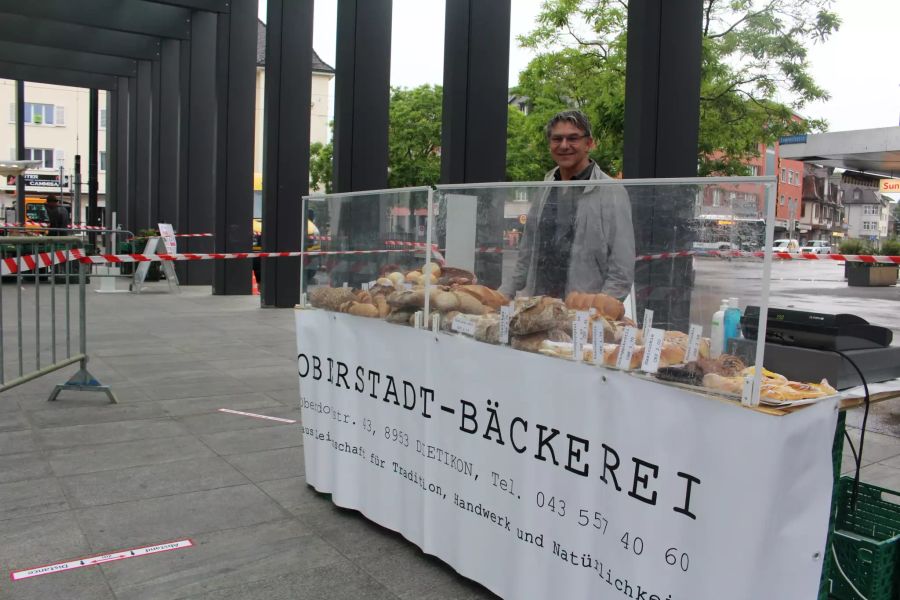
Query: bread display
543, 324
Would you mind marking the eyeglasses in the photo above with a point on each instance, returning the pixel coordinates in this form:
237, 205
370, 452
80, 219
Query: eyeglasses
556, 140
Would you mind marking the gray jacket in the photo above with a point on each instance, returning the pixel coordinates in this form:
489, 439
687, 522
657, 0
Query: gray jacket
602, 257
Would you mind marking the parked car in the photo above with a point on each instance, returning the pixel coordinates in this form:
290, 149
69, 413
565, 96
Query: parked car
816, 247
792, 246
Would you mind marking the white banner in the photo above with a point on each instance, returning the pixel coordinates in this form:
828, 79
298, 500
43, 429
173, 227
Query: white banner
543, 478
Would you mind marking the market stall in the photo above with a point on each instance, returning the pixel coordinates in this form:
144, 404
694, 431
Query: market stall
579, 445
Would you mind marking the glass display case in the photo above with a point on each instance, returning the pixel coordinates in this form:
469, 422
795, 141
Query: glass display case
653, 277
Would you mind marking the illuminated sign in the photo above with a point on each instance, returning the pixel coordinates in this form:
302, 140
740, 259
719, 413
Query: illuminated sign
889, 186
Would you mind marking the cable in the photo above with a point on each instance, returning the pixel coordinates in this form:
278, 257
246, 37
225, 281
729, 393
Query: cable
862, 433
837, 563
852, 446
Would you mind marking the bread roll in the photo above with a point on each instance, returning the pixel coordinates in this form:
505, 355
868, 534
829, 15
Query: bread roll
469, 305
384, 309
407, 298
400, 316
384, 281
414, 277
396, 277
671, 354
442, 301
487, 328
483, 294
612, 358
363, 310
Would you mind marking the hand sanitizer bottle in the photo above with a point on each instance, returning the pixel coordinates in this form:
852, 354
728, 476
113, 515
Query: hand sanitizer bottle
732, 323
717, 331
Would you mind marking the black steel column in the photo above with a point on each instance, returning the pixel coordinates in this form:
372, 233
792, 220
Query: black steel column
289, 30
119, 151
236, 66
141, 218
362, 95
199, 205
361, 106
662, 119
476, 71
20, 149
155, 122
473, 134
129, 210
169, 132
112, 157
93, 155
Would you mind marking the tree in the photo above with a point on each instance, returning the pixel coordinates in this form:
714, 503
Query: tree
414, 141
321, 167
754, 76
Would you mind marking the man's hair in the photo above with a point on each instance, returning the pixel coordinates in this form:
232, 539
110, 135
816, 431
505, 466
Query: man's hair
52, 198
575, 117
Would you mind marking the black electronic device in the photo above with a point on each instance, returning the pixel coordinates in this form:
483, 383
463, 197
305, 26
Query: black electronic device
816, 330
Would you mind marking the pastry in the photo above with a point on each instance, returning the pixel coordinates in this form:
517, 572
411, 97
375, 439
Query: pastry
605, 305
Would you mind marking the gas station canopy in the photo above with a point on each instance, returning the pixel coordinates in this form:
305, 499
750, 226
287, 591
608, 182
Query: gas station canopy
875, 151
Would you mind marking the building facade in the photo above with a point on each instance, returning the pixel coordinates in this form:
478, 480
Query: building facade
868, 211
56, 130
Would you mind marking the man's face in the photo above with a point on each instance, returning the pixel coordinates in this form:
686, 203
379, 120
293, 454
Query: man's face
569, 146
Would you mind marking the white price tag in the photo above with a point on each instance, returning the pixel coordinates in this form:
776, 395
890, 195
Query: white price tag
366, 287
505, 316
592, 311
648, 321
653, 342
580, 333
597, 336
748, 397
695, 333
407, 286
626, 349
372, 284
463, 324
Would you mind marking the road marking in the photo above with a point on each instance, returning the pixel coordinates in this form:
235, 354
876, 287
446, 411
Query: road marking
99, 559
256, 416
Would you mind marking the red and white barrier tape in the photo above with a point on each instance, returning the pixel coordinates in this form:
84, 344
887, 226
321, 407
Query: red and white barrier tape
43, 225
30, 262
781, 255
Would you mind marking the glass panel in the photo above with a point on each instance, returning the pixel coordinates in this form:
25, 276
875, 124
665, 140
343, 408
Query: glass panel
366, 242
665, 280
626, 260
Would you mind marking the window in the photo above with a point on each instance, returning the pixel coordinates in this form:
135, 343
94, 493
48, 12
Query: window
870, 209
45, 155
102, 161
39, 114
102, 118
783, 175
781, 201
754, 170
857, 194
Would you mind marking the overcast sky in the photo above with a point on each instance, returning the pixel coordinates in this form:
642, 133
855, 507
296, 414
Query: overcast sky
859, 66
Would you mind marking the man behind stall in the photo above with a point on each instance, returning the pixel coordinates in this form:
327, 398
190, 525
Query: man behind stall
57, 215
576, 238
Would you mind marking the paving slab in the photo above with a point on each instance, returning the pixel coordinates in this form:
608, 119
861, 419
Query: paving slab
217, 422
341, 581
253, 440
123, 431
223, 559
31, 497
270, 464
246, 401
16, 442
60, 415
27, 465
152, 481
155, 520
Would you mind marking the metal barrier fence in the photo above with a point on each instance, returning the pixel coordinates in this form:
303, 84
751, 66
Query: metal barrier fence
39, 267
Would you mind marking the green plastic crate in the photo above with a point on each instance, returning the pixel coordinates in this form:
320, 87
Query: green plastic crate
867, 544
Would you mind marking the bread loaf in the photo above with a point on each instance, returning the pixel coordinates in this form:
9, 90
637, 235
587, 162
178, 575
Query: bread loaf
540, 313
469, 305
442, 301
363, 310
604, 304
330, 298
532, 342
400, 316
485, 295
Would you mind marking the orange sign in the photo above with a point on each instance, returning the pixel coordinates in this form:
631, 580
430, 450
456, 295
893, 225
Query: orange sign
890, 186
523, 218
